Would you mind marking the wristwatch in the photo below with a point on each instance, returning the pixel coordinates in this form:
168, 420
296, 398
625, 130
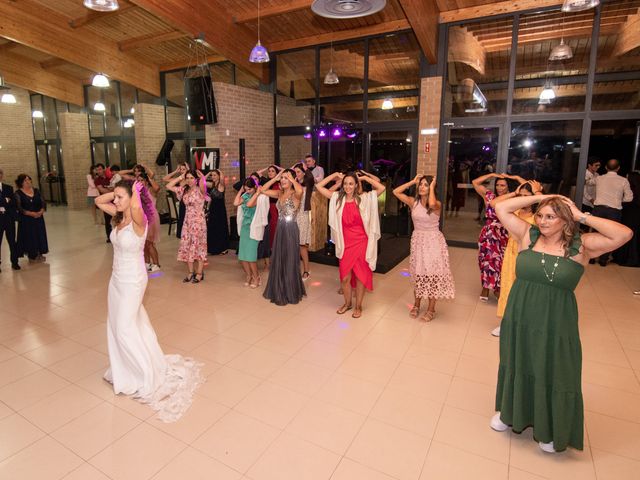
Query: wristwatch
583, 219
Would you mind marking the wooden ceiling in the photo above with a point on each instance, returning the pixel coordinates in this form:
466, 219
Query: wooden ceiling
54, 47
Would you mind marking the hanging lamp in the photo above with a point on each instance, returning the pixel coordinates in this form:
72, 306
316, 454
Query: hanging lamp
579, 5
331, 78
99, 107
387, 104
8, 98
547, 94
259, 54
102, 5
562, 51
37, 114
100, 80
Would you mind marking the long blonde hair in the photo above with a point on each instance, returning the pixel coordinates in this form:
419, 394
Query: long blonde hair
562, 210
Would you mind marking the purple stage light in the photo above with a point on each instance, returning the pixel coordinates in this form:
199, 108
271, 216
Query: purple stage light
352, 135
322, 133
336, 132
307, 136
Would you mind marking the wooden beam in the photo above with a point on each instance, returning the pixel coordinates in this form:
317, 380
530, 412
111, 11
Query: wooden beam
231, 40
291, 6
495, 8
53, 62
573, 90
32, 24
464, 48
385, 27
629, 37
91, 16
5, 47
149, 40
423, 17
189, 62
28, 74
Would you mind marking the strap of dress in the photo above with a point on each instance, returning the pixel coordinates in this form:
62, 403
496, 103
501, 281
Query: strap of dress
574, 248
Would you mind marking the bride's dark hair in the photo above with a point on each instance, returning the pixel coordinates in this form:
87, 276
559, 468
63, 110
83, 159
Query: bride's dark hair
145, 200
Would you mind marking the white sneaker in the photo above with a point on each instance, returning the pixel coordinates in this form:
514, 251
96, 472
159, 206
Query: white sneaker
154, 268
148, 265
497, 424
547, 447
496, 331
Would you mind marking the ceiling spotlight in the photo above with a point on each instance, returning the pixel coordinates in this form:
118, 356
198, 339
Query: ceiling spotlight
100, 81
387, 104
336, 132
347, 8
526, 143
102, 5
579, 5
37, 114
133, 110
562, 51
99, 107
322, 133
8, 98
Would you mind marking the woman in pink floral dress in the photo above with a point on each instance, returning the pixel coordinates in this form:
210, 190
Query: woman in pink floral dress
193, 241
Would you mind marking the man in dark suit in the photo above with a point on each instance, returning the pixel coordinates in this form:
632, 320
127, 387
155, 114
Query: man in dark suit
7, 220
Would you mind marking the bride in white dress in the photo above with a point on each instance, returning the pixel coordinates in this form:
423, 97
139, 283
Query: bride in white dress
138, 366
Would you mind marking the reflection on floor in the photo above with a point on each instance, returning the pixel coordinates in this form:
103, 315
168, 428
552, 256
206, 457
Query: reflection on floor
292, 392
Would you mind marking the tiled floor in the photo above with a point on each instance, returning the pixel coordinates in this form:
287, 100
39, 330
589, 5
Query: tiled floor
293, 392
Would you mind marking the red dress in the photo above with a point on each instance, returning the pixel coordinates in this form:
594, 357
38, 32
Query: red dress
354, 258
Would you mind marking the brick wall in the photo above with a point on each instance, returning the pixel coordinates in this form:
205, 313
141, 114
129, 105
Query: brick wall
242, 113
430, 100
76, 156
17, 147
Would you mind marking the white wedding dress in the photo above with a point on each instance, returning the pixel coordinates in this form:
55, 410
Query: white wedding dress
137, 365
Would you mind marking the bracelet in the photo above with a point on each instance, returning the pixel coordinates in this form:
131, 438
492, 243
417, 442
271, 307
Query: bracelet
583, 219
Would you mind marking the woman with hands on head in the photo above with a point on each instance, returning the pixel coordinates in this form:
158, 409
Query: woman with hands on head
217, 226
429, 258
355, 230
246, 199
193, 241
539, 376
181, 169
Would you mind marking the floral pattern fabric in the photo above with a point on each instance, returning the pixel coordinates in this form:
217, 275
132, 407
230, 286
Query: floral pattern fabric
491, 246
193, 240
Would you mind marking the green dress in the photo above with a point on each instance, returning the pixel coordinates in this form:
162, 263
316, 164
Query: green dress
248, 247
539, 377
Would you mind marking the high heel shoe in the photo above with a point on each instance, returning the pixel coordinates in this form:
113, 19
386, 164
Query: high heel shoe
188, 278
195, 279
248, 281
257, 283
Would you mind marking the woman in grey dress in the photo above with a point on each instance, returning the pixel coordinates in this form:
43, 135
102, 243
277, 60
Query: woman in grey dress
285, 282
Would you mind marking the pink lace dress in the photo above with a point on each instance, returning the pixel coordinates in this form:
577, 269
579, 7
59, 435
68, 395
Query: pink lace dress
429, 260
193, 241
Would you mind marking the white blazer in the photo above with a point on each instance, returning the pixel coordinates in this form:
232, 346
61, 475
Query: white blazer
260, 218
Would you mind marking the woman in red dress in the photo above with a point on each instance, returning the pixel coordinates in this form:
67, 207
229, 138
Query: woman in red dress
355, 230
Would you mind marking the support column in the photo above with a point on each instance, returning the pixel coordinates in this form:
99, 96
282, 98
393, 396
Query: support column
150, 135
76, 156
430, 102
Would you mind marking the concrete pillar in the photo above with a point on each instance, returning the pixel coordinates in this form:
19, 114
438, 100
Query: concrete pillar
76, 156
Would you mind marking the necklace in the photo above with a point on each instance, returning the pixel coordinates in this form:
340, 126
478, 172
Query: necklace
544, 268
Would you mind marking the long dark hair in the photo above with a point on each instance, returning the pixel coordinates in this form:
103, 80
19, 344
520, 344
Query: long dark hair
428, 179
342, 193
215, 185
186, 185
145, 200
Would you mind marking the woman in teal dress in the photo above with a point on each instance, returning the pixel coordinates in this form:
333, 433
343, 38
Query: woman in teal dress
539, 377
248, 247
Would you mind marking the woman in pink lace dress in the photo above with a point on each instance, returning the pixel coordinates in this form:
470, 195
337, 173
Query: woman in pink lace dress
429, 260
193, 241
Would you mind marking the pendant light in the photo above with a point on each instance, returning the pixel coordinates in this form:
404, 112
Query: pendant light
547, 94
355, 88
579, 5
102, 5
37, 114
331, 78
99, 107
8, 98
387, 104
100, 80
259, 54
562, 51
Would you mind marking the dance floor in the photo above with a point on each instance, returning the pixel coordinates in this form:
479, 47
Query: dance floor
296, 392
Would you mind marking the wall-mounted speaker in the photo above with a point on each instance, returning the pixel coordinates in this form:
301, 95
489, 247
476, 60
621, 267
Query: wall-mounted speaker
201, 102
164, 156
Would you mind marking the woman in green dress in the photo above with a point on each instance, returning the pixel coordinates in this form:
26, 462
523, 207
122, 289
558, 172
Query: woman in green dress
248, 247
539, 377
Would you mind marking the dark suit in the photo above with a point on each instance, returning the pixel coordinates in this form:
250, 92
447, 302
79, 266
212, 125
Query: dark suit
8, 216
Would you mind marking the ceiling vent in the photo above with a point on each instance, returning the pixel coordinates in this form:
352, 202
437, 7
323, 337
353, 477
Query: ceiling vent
347, 8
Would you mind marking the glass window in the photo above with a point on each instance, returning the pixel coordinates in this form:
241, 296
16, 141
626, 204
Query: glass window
50, 117
621, 95
479, 53
246, 80
390, 108
144, 97
297, 74
394, 63
293, 148
547, 152
98, 152
96, 119
347, 61
617, 51
615, 139
548, 97
114, 153
112, 113
347, 112
38, 123
294, 113
127, 101
222, 72
129, 154
341, 154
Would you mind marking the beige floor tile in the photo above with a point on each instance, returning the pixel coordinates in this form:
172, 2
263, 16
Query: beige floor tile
90, 337
79, 366
425, 383
435, 359
140, 453
368, 366
17, 433
202, 414
396, 452
350, 470
283, 342
5, 411
228, 386
445, 462
611, 402
610, 376
272, 404
300, 376
478, 370
485, 348
247, 331
187, 338
613, 435
96, 384
86, 472
350, 392
471, 396
290, 458
45, 458
471, 432
36, 338
517, 474
31, 389
220, 349
258, 362
6, 354
326, 425
63, 406
54, 352
407, 411
16, 368
236, 440
324, 354
194, 465
613, 467
94, 430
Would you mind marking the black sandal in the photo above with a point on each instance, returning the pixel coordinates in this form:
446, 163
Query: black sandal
189, 278
195, 279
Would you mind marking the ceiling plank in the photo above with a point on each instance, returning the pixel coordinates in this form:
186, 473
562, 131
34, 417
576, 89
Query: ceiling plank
149, 40
464, 48
231, 40
38, 27
423, 17
92, 16
274, 11
189, 62
385, 27
53, 62
495, 8
28, 74
629, 37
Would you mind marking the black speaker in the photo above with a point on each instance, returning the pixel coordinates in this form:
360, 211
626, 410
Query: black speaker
201, 102
164, 156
